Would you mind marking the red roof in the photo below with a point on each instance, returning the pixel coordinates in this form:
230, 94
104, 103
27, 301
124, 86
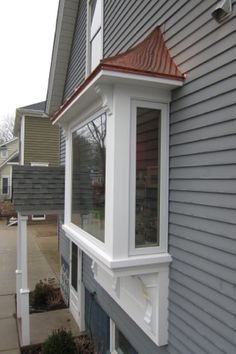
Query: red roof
149, 57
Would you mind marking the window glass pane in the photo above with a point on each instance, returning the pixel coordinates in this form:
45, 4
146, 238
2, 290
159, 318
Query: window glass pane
147, 177
96, 16
74, 267
122, 345
88, 184
96, 50
4, 185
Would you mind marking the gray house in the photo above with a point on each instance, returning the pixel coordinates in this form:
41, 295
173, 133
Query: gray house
144, 93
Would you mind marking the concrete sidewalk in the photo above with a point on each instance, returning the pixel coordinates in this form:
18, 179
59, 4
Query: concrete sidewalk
9, 342
43, 263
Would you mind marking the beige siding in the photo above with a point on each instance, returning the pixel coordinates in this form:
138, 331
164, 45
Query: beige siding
41, 141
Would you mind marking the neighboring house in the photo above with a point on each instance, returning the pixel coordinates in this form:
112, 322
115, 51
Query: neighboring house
8, 156
148, 140
38, 140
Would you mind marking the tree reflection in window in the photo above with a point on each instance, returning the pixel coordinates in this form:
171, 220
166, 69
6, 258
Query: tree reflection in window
88, 177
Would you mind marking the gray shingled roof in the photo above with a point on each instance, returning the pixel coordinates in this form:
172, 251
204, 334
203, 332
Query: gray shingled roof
39, 106
38, 189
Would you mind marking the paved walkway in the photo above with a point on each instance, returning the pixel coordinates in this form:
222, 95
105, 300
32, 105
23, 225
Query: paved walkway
43, 263
9, 343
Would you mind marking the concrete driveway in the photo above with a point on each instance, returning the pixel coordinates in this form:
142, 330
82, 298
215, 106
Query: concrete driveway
43, 263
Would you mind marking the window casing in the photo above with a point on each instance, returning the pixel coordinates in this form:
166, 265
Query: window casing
88, 177
95, 34
149, 178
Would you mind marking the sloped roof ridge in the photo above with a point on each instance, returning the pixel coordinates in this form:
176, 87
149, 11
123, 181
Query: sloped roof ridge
9, 141
150, 56
39, 106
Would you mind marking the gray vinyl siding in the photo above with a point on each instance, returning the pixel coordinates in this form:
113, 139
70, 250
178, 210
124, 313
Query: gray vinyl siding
61, 52
64, 251
64, 244
77, 63
202, 210
203, 188
131, 331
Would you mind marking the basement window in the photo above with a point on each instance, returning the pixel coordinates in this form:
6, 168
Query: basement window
38, 217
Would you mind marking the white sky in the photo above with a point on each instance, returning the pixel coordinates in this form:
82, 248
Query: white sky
26, 39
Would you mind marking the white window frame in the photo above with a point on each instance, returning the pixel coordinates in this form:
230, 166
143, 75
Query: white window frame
77, 125
113, 338
42, 164
164, 177
88, 36
8, 186
38, 218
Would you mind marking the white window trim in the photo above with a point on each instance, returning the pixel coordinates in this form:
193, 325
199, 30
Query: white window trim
88, 51
43, 164
164, 177
38, 218
79, 123
22, 141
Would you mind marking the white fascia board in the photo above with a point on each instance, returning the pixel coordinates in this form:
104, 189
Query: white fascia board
87, 95
119, 267
54, 55
144, 80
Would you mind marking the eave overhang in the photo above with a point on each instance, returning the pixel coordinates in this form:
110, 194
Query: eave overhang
148, 64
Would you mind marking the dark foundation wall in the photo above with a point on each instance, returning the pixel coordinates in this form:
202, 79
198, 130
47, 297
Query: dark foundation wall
141, 343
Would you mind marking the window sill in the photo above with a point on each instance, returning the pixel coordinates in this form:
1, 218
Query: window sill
131, 265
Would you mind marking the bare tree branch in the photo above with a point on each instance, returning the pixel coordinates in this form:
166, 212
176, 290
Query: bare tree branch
6, 128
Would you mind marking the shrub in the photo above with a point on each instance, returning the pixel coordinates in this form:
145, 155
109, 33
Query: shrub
85, 344
59, 342
42, 292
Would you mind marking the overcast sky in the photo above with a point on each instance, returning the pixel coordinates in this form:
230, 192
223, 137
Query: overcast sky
26, 38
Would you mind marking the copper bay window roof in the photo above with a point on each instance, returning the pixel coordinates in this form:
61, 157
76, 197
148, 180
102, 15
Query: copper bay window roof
150, 57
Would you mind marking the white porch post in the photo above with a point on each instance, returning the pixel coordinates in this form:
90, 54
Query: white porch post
24, 291
18, 270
